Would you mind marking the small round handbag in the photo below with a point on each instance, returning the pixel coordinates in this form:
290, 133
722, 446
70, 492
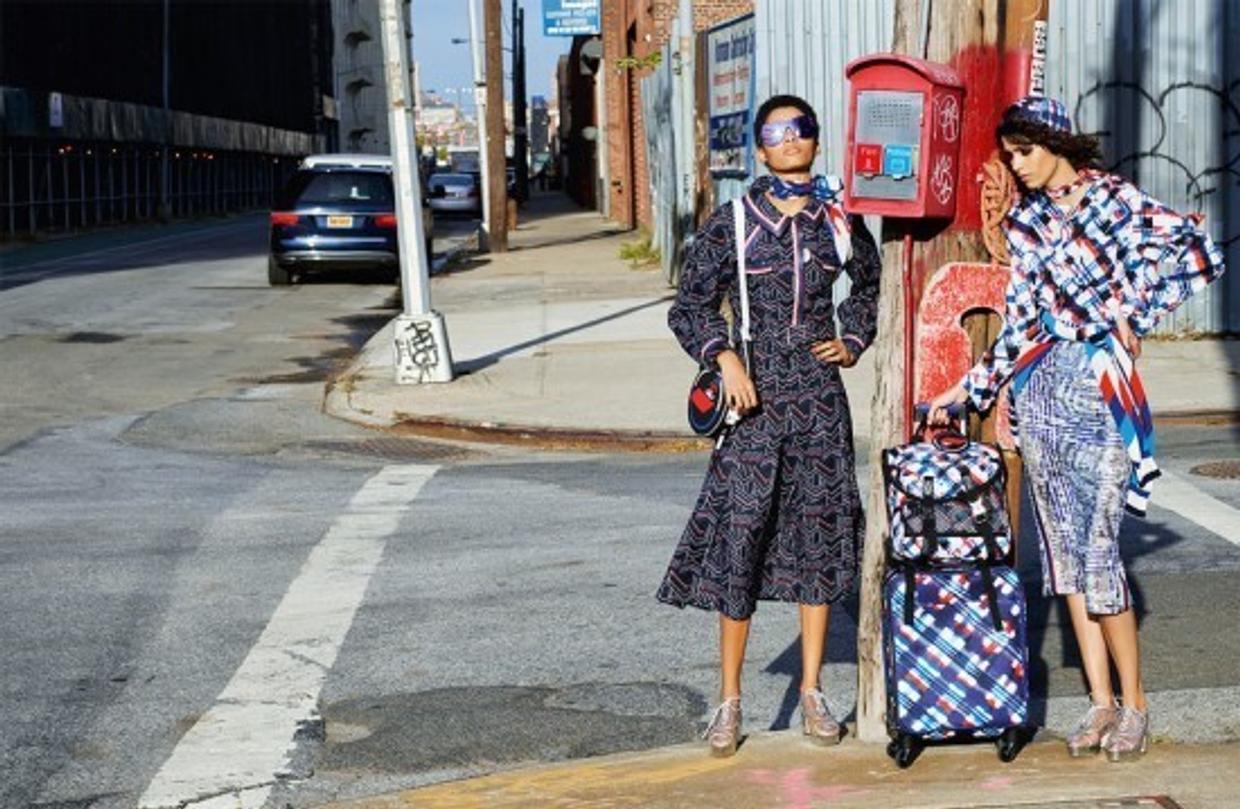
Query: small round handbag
709, 414
708, 404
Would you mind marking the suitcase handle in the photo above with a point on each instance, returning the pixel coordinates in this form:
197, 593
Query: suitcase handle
951, 438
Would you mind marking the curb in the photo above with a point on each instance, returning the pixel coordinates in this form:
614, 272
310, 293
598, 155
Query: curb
1207, 418
557, 439
569, 439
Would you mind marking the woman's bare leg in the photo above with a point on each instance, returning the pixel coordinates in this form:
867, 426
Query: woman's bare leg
733, 635
1093, 647
814, 619
1120, 631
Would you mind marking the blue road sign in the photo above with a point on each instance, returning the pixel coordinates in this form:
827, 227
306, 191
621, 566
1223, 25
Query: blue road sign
569, 18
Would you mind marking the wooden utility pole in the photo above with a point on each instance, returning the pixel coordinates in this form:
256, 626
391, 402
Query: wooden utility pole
520, 116
970, 36
497, 176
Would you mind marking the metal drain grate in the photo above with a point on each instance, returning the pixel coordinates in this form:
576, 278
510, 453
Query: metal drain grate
1228, 470
393, 449
1150, 802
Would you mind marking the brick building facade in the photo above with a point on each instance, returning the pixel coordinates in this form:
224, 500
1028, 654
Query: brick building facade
636, 29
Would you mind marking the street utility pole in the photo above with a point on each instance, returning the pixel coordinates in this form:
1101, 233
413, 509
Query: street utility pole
421, 341
520, 124
480, 116
496, 177
940, 32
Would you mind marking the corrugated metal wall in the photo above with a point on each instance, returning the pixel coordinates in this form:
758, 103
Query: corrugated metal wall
1156, 80
802, 48
667, 99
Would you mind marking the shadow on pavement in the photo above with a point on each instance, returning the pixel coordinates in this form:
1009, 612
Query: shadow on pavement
479, 363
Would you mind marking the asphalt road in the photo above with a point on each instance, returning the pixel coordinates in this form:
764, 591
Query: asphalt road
195, 559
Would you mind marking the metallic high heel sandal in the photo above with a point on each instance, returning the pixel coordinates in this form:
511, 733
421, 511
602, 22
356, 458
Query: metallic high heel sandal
1092, 729
1130, 737
816, 719
724, 731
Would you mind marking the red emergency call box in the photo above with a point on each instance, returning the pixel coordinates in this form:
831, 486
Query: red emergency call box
903, 145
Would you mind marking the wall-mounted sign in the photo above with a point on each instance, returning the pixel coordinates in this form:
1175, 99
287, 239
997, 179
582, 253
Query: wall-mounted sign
569, 18
731, 75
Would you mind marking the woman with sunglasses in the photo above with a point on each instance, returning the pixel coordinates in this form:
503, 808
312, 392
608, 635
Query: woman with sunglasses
1085, 287
779, 515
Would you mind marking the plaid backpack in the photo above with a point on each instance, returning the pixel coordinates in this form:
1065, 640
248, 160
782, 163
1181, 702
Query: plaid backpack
945, 502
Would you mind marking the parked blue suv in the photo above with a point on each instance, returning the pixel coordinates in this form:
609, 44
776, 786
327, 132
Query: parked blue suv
336, 212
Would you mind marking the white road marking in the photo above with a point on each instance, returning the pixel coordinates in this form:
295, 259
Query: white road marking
1176, 494
237, 749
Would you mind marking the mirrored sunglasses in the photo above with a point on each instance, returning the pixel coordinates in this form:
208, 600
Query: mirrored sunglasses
803, 126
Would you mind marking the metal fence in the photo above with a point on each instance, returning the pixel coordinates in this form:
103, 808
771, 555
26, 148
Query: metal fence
58, 187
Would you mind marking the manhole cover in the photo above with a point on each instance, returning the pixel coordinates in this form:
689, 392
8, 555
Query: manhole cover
1150, 802
1229, 470
393, 449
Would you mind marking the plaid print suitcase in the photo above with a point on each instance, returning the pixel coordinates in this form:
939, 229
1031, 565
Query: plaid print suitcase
956, 658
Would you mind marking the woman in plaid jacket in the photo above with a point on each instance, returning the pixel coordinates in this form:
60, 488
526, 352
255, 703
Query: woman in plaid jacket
1086, 248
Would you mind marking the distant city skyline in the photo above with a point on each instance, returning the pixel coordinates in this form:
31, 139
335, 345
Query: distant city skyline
447, 68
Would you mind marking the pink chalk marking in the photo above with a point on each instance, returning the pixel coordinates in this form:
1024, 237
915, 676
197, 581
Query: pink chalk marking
793, 788
942, 347
997, 782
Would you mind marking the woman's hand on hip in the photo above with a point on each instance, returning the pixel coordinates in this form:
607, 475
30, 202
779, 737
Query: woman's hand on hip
740, 390
836, 351
1127, 337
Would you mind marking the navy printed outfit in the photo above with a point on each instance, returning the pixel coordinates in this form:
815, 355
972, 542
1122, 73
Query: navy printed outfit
779, 516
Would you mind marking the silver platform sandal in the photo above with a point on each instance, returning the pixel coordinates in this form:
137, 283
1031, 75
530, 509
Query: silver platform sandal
723, 733
816, 719
1091, 730
1130, 737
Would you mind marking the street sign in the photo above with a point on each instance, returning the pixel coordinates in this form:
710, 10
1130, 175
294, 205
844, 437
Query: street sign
730, 71
568, 18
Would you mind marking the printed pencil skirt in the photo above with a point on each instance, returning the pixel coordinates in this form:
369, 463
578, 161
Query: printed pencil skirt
1078, 470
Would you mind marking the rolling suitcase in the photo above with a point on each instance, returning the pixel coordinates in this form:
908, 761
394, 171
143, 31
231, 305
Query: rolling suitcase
954, 638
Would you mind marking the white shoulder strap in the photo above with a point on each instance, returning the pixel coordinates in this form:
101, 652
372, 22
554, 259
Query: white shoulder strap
738, 218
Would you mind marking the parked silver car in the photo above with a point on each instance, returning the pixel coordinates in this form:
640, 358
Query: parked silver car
455, 193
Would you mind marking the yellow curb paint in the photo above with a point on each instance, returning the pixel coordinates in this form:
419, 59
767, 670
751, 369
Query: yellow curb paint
554, 787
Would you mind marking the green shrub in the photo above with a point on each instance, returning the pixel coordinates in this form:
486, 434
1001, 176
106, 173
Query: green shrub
640, 254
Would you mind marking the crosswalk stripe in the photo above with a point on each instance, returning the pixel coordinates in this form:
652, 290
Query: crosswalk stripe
237, 749
1176, 494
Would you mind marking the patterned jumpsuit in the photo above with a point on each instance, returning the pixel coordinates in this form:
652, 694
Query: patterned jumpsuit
779, 515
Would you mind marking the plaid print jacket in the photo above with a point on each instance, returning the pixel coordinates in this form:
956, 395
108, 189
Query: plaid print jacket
1074, 273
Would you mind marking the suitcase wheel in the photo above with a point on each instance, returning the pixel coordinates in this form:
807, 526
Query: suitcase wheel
904, 750
1010, 743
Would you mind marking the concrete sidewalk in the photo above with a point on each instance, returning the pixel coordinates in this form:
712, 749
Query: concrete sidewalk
782, 771
560, 343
